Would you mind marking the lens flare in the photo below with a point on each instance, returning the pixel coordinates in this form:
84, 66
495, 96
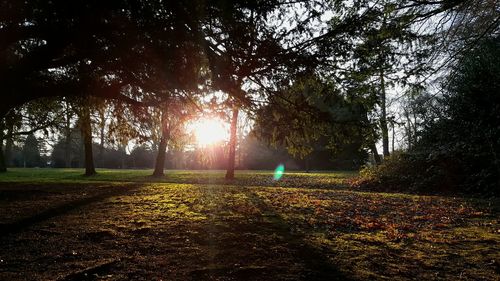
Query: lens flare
279, 171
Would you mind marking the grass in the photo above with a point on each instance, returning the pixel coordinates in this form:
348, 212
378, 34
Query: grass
243, 178
195, 225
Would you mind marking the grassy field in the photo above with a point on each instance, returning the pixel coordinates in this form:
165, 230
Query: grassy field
193, 225
244, 178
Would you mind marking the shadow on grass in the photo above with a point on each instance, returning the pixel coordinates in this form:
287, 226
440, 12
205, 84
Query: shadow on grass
255, 246
314, 259
314, 262
21, 224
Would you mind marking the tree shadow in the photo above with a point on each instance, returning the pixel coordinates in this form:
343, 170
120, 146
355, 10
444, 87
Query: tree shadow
21, 224
315, 260
235, 248
260, 247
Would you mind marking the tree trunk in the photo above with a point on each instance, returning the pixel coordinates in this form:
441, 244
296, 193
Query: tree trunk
3, 166
67, 151
393, 137
67, 135
162, 147
408, 130
8, 144
102, 136
123, 154
232, 145
373, 148
415, 127
86, 128
383, 119
373, 142
376, 157
160, 158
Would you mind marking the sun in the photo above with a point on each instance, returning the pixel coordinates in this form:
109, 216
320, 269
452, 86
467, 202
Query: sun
209, 131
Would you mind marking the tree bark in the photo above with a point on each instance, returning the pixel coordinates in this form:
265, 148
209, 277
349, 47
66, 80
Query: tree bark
86, 128
3, 166
376, 157
162, 147
393, 136
373, 142
67, 151
102, 136
408, 130
8, 144
160, 158
67, 140
232, 145
383, 120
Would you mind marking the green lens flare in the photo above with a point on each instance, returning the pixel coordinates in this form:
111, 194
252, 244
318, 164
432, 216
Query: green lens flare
278, 173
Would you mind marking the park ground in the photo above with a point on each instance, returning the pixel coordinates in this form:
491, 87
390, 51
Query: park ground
193, 225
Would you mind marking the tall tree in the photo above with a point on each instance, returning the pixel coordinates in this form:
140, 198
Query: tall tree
253, 48
85, 123
103, 112
44, 44
232, 144
174, 116
67, 130
31, 152
40, 115
450, 153
382, 55
162, 146
312, 109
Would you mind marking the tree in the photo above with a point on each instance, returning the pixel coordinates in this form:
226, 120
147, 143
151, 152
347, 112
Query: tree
145, 52
253, 48
68, 150
40, 115
31, 152
468, 131
300, 115
53, 49
173, 120
67, 130
162, 146
85, 124
142, 157
232, 144
385, 52
103, 115
457, 150
397, 44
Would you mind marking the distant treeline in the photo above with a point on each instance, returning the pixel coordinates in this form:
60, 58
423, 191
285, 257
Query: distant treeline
251, 154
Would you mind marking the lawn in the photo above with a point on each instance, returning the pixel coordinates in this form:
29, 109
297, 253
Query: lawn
194, 225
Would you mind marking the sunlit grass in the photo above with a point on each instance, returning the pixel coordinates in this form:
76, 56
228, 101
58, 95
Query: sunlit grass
247, 178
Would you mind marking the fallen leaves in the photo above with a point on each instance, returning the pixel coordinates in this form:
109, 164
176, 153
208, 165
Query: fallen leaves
369, 230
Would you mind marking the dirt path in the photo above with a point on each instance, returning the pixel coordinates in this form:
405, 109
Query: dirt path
150, 232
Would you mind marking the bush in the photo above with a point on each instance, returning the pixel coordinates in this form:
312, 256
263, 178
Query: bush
414, 172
